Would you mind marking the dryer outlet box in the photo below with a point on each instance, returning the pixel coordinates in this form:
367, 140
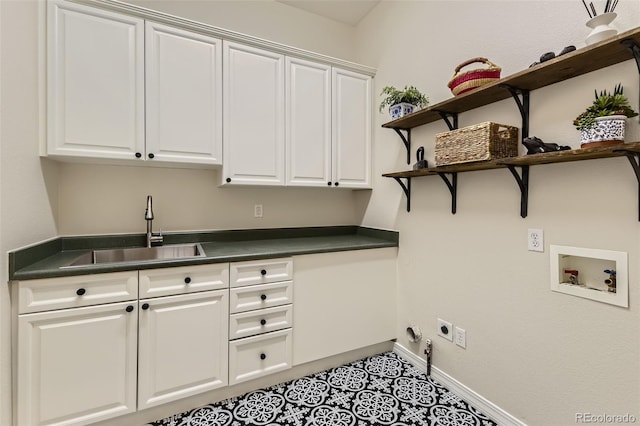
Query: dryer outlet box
445, 329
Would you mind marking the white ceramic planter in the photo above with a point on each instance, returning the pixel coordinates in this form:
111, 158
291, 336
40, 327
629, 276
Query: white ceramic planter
606, 131
401, 109
600, 29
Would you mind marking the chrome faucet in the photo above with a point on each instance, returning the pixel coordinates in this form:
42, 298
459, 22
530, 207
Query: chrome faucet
152, 239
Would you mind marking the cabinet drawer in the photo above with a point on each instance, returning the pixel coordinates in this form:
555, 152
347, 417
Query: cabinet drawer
185, 279
261, 272
71, 292
260, 321
244, 299
258, 356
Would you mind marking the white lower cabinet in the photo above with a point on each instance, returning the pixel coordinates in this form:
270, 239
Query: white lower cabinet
87, 349
261, 318
76, 366
257, 356
260, 296
182, 346
93, 347
343, 301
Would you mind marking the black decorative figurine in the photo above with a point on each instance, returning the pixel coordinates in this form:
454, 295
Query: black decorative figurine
422, 163
535, 145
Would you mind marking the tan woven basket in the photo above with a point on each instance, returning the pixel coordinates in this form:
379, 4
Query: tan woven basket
484, 141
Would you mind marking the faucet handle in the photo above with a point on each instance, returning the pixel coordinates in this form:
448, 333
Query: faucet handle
157, 238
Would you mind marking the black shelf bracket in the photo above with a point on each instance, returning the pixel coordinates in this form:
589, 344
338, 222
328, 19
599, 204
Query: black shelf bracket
453, 188
447, 117
634, 159
406, 140
523, 184
406, 189
521, 96
633, 45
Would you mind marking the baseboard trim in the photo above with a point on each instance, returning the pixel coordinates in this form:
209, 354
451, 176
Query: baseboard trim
499, 415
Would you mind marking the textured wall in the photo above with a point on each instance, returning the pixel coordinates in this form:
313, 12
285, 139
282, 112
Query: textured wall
28, 184
266, 19
541, 356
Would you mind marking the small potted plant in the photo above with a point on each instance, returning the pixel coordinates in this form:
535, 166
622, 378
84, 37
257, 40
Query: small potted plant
603, 123
402, 102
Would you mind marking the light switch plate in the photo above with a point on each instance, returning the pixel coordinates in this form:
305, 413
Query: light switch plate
461, 337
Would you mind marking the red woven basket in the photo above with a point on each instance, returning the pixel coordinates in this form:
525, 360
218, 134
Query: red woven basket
462, 82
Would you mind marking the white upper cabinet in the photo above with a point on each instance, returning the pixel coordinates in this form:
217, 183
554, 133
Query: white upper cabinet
351, 123
308, 120
95, 97
253, 143
125, 89
183, 95
328, 124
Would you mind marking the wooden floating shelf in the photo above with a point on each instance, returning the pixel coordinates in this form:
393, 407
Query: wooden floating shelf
525, 160
573, 64
623, 47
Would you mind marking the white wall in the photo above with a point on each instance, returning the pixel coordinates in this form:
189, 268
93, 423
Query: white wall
112, 199
28, 185
266, 19
541, 356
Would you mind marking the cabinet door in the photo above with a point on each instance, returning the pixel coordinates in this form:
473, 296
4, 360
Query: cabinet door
351, 129
253, 142
76, 366
184, 95
182, 346
343, 301
95, 82
308, 132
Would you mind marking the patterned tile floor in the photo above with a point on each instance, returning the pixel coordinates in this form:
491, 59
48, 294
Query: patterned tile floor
379, 390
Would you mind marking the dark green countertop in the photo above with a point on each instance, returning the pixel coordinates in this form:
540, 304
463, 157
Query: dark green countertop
47, 259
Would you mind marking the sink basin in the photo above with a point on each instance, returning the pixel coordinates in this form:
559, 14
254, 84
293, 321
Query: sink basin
138, 254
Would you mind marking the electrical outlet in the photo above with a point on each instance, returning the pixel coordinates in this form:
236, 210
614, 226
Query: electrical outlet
535, 240
461, 337
257, 210
445, 329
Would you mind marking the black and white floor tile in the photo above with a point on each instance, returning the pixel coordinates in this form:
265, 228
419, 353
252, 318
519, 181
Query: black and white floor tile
380, 390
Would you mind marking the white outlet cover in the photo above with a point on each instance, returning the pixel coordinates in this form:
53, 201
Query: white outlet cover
449, 327
535, 240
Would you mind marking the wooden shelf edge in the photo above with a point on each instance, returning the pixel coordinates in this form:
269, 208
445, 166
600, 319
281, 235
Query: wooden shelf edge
525, 160
579, 62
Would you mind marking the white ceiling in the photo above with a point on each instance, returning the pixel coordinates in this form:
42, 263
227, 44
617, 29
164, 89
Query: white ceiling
349, 12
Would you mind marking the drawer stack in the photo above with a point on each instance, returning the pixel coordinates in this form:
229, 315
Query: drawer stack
261, 317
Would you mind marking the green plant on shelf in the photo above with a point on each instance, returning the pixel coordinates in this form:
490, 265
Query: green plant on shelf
410, 95
605, 104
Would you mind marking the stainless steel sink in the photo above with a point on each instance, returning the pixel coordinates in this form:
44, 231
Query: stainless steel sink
138, 254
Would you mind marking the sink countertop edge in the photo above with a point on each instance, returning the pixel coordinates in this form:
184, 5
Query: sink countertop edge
229, 246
